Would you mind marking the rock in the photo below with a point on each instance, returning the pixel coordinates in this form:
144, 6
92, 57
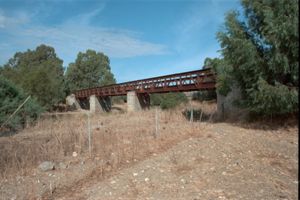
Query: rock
135, 174
147, 179
46, 166
62, 165
74, 154
97, 158
13, 198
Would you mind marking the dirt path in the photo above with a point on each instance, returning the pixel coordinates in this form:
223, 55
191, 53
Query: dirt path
225, 162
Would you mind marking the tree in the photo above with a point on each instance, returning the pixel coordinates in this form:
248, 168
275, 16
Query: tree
206, 95
260, 51
90, 69
224, 77
39, 73
10, 99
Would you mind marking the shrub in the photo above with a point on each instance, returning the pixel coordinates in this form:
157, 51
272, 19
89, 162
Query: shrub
10, 99
168, 100
204, 95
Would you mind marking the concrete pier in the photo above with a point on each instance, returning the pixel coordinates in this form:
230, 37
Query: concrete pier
136, 102
99, 104
72, 102
94, 104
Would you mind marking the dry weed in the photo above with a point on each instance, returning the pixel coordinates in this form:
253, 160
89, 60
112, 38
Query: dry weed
115, 139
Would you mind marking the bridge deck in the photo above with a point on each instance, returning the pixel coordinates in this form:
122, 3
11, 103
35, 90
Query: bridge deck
182, 82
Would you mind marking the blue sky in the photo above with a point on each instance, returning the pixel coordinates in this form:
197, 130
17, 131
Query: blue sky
142, 38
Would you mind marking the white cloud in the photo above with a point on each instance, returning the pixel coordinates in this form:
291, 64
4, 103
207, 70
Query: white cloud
115, 43
8, 21
77, 34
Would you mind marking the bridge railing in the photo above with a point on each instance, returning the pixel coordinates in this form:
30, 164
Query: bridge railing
180, 82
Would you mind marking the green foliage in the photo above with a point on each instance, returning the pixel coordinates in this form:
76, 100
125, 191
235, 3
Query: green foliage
118, 99
39, 73
10, 99
90, 69
224, 74
261, 54
168, 100
205, 95
278, 97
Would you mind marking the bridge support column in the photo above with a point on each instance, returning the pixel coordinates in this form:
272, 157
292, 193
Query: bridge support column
72, 101
100, 104
136, 102
94, 104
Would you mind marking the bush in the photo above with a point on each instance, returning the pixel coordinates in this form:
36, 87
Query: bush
118, 99
10, 99
205, 95
168, 100
277, 99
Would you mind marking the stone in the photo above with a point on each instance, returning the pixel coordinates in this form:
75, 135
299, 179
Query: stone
72, 102
135, 174
74, 154
62, 165
46, 166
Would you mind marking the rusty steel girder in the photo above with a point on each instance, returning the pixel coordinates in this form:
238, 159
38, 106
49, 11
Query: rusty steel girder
181, 82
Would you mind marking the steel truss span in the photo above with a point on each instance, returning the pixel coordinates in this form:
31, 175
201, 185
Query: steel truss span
182, 82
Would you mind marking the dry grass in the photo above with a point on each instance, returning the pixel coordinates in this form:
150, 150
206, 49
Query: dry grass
116, 139
52, 139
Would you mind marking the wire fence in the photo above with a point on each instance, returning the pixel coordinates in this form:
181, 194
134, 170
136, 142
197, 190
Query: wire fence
113, 138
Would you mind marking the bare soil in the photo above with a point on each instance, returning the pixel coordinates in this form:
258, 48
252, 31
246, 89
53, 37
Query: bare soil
225, 162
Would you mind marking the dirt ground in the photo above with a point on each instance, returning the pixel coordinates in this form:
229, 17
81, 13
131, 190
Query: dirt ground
225, 162
215, 161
